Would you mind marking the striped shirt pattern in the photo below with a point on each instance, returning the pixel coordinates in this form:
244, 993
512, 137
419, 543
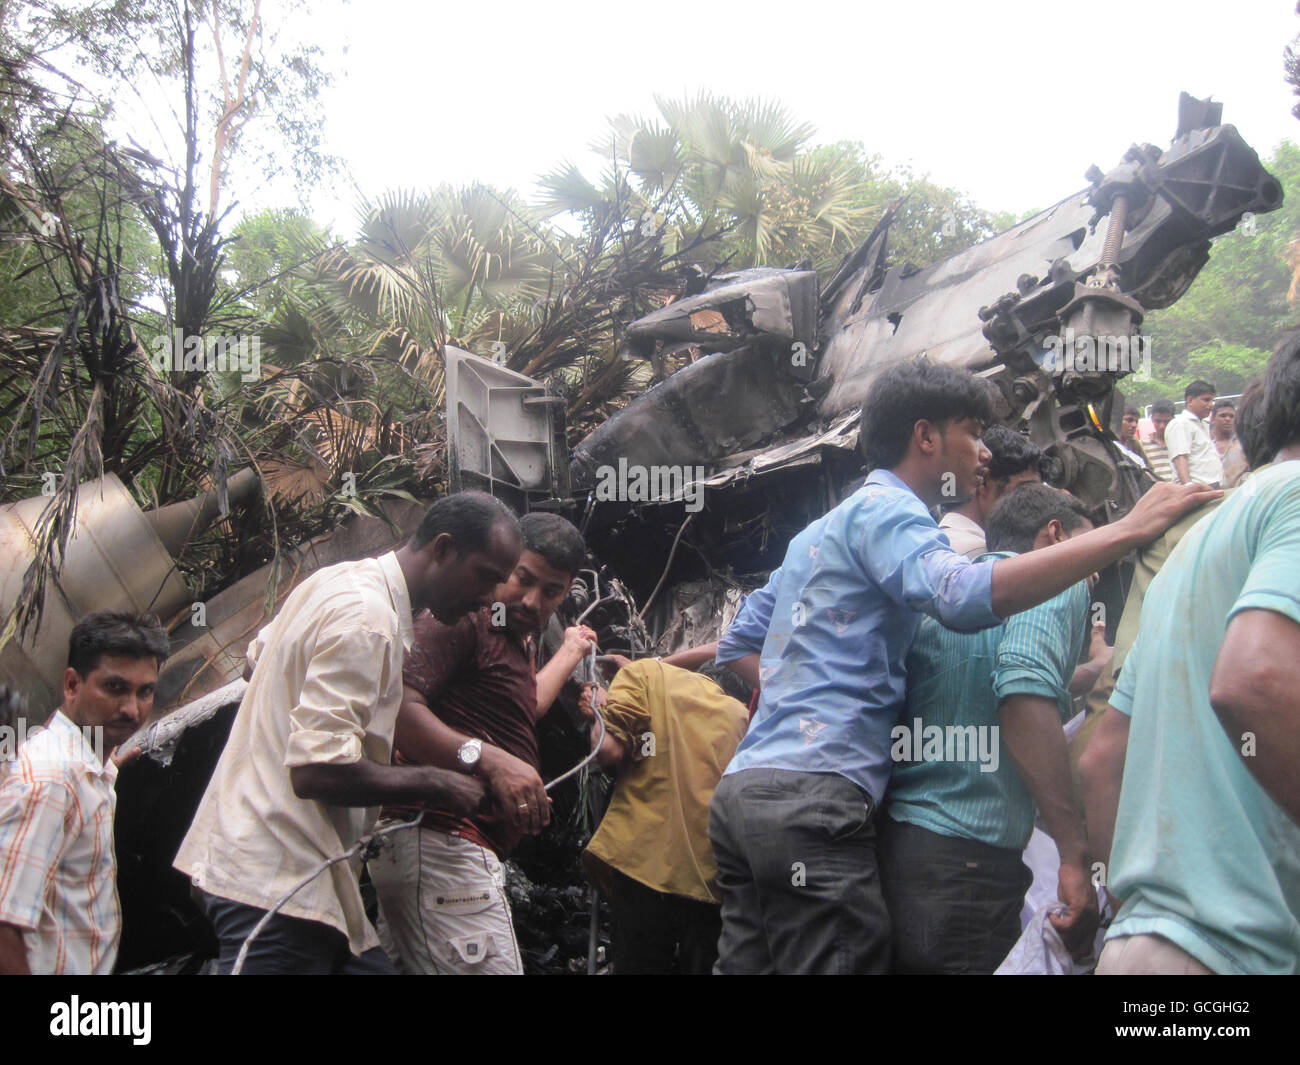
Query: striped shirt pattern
1158, 455
58, 871
957, 680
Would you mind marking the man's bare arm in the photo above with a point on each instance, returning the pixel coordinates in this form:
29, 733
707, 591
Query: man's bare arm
1031, 727
746, 668
1182, 468
578, 640
1029, 579
366, 783
425, 738
1102, 768
1253, 690
13, 954
692, 657
1100, 654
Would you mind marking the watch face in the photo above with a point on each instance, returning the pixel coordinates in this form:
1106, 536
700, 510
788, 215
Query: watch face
469, 753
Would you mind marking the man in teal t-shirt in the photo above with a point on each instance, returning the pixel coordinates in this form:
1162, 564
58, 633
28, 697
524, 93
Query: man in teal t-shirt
1206, 853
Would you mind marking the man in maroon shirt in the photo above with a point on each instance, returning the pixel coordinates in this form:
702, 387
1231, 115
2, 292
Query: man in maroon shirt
472, 702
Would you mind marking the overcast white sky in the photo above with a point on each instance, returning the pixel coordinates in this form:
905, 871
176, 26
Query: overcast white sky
1008, 100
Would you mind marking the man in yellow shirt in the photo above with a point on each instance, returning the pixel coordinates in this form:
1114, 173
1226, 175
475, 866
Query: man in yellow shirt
671, 733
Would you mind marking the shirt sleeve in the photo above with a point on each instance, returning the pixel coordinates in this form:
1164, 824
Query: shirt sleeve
339, 693
1036, 653
749, 628
33, 831
627, 713
1274, 579
1178, 438
907, 556
1122, 697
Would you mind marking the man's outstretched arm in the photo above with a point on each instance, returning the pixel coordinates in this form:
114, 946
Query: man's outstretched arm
366, 783
1253, 690
1032, 578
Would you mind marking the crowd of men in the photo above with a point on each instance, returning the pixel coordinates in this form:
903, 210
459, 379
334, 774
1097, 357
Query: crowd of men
910, 670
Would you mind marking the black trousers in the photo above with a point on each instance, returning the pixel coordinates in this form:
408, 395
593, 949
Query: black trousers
654, 933
287, 946
954, 903
796, 857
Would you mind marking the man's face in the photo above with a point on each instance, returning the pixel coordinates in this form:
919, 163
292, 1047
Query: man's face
1201, 405
1128, 428
962, 454
116, 695
1224, 421
1159, 422
458, 583
533, 592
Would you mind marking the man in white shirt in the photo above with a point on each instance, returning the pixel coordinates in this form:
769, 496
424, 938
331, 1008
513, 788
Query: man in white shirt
1191, 449
308, 762
59, 909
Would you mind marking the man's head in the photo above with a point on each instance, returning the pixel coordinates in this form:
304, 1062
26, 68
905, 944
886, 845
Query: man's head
553, 552
113, 662
1223, 419
1034, 516
1282, 396
1200, 398
1162, 413
1250, 424
1128, 426
930, 417
466, 545
1013, 461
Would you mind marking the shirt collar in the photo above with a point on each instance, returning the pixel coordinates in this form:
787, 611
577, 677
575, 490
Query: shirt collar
78, 748
401, 597
889, 478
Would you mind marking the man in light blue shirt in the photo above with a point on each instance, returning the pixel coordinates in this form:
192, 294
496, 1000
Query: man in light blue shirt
1204, 724
792, 822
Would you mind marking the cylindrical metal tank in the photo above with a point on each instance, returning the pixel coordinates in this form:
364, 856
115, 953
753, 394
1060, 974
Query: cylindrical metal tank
114, 561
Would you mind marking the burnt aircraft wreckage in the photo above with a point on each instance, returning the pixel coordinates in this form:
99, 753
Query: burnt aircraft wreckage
689, 495
1048, 311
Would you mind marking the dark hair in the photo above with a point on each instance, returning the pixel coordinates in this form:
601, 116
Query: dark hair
555, 539
468, 517
1282, 396
1250, 423
1130, 409
1022, 513
1198, 388
908, 392
1012, 453
1163, 406
1219, 404
729, 682
115, 632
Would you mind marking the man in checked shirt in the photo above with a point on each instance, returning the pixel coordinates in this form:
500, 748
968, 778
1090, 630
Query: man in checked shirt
59, 910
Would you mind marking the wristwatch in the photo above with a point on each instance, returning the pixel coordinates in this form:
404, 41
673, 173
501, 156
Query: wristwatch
468, 755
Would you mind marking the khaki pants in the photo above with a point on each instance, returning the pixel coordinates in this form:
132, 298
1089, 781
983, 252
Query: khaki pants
443, 907
1147, 955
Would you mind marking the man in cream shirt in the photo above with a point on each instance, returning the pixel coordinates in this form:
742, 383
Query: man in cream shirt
307, 765
1191, 448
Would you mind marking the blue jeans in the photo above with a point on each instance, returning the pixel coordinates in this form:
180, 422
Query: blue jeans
796, 856
287, 946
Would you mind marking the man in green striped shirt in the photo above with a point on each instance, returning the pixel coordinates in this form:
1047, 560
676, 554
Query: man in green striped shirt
979, 745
